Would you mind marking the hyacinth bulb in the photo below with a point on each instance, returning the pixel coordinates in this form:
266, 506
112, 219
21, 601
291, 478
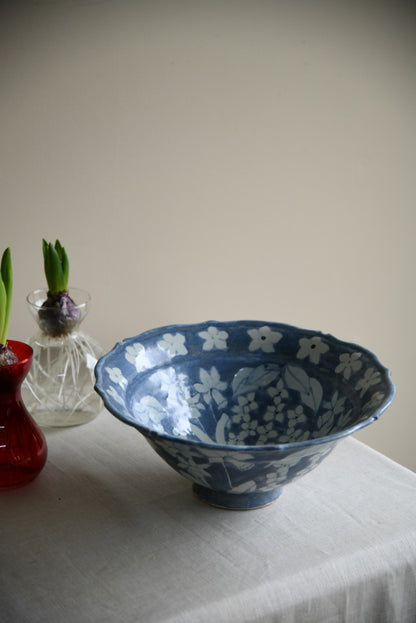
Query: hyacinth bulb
59, 314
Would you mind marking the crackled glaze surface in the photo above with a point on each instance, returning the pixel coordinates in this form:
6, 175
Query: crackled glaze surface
242, 407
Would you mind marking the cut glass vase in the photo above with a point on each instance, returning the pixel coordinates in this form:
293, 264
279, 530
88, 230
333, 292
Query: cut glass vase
59, 389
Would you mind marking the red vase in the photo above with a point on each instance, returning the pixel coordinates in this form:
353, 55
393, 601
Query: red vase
23, 446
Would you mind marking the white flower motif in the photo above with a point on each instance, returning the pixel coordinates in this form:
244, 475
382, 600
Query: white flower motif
336, 405
243, 461
149, 412
278, 393
312, 347
136, 354
275, 478
177, 451
188, 466
173, 343
211, 387
334, 410
187, 461
294, 429
116, 376
250, 427
214, 339
348, 363
275, 412
245, 487
343, 420
244, 406
371, 377
374, 401
116, 396
282, 467
292, 462
296, 416
182, 426
263, 339
179, 401
267, 434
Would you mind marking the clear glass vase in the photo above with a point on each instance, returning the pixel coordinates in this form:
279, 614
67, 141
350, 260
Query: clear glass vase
59, 389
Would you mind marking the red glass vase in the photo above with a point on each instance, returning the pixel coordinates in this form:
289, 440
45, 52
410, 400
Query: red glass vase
23, 446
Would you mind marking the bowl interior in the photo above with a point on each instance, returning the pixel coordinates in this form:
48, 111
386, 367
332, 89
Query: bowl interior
244, 384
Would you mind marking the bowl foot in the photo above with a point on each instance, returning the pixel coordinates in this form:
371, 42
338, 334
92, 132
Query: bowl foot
236, 501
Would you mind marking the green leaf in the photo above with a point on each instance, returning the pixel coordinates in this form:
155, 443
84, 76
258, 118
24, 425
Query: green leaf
59, 249
56, 269
7, 276
65, 267
7, 283
46, 265
56, 266
3, 306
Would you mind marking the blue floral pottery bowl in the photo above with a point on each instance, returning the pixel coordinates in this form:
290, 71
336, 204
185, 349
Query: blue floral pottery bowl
242, 408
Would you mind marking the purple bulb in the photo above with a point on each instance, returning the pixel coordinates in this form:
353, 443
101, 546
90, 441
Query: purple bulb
59, 314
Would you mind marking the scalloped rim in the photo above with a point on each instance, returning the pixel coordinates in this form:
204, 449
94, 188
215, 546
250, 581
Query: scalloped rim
120, 346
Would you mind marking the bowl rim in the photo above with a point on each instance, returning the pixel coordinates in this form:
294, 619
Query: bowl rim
154, 435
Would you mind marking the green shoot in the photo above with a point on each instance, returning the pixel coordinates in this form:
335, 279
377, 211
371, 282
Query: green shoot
56, 266
6, 287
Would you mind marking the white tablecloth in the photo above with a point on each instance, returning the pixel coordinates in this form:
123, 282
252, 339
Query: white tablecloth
108, 533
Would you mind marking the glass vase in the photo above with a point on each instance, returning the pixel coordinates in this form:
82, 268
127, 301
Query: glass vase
59, 389
23, 448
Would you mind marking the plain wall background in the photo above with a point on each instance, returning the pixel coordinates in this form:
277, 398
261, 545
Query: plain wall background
219, 160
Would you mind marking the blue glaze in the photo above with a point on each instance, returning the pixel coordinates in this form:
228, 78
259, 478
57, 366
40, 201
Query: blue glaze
242, 408
236, 501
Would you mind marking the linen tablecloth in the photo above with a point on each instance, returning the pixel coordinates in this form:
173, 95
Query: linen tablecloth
108, 533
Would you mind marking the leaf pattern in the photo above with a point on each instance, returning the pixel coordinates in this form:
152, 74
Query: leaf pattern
312, 398
296, 378
249, 379
220, 429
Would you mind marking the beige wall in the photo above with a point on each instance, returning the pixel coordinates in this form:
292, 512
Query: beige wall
219, 160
